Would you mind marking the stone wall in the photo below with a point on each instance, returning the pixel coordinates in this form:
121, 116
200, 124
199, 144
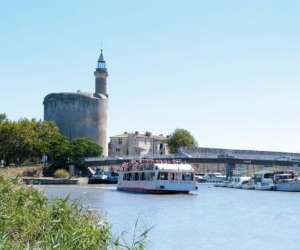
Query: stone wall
79, 115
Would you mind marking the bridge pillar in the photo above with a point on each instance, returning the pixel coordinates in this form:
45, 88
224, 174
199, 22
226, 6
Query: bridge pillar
229, 170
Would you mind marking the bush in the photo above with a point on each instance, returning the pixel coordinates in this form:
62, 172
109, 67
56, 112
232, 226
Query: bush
29, 221
61, 173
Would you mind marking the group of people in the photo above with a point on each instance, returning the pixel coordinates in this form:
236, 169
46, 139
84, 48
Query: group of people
144, 164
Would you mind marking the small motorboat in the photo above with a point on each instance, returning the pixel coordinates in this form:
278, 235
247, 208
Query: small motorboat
104, 177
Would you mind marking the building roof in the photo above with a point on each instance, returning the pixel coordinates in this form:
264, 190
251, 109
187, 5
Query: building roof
125, 135
101, 57
72, 95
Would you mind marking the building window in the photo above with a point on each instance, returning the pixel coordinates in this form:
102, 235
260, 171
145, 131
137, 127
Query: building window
120, 141
118, 150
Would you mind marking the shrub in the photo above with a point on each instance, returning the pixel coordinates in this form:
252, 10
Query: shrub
61, 173
29, 221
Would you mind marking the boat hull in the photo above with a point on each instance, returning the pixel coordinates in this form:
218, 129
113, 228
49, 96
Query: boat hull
102, 181
150, 191
288, 187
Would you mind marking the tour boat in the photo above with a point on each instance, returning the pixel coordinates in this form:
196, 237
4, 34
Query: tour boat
156, 178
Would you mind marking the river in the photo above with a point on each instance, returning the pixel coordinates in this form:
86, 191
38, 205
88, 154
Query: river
210, 219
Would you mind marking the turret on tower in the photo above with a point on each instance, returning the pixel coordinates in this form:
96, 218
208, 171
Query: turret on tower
101, 76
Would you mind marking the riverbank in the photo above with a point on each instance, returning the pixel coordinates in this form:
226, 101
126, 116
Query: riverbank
32, 175
30, 170
54, 181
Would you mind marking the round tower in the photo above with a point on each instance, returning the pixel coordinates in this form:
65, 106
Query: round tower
82, 114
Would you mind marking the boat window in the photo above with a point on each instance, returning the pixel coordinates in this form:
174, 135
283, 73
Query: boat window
172, 176
136, 176
162, 176
177, 176
129, 176
187, 177
152, 175
142, 177
147, 176
126, 177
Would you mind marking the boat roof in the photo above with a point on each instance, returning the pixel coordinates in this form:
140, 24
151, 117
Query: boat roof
174, 167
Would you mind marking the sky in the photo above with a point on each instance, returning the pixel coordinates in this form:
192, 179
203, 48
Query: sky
227, 70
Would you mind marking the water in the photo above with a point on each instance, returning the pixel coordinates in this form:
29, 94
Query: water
210, 219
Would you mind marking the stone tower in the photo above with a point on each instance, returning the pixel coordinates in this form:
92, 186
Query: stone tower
101, 76
82, 114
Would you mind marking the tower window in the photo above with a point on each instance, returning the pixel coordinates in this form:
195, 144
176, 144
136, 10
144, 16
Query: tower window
120, 140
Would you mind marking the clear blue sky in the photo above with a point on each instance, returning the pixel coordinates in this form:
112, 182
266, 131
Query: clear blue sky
228, 71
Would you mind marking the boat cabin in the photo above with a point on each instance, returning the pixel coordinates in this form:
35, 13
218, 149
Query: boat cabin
160, 171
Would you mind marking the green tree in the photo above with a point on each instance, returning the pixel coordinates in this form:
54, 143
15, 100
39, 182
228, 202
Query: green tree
84, 147
47, 132
181, 138
59, 150
9, 141
3, 117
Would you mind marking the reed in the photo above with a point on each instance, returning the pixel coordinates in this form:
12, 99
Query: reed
28, 220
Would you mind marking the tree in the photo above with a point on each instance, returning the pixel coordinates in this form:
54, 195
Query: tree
3, 117
84, 147
8, 139
181, 138
59, 150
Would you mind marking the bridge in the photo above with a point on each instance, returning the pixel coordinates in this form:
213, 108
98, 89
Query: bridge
188, 157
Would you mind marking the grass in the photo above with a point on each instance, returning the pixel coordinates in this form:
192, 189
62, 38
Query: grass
28, 220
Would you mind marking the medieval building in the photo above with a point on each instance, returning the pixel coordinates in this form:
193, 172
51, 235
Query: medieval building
82, 114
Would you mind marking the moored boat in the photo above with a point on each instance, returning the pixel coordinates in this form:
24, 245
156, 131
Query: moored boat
264, 181
286, 182
104, 177
214, 177
156, 178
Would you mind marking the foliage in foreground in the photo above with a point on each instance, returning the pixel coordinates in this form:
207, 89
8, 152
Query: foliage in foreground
29, 221
181, 138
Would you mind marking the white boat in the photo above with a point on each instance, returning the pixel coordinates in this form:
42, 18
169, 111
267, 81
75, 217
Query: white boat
249, 185
241, 181
156, 178
286, 182
264, 186
199, 178
264, 181
222, 184
214, 177
238, 181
